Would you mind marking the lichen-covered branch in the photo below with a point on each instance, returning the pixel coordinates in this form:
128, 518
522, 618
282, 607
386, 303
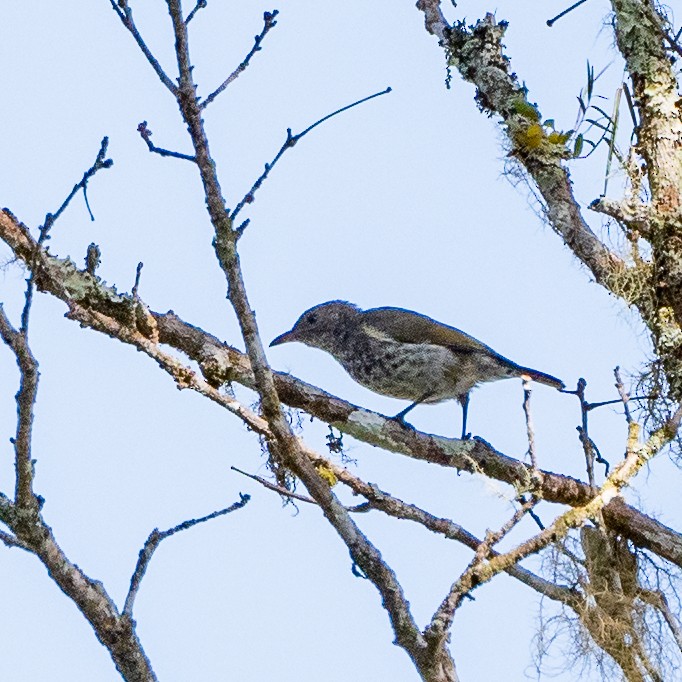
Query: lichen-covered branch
484, 568
654, 288
220, 363
640, 35
477, 53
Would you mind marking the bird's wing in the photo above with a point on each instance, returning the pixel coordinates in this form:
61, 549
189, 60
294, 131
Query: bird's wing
406, 326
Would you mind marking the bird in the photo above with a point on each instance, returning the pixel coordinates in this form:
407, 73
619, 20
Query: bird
403, 354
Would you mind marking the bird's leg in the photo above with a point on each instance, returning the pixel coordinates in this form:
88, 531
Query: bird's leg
464, 402
400, 417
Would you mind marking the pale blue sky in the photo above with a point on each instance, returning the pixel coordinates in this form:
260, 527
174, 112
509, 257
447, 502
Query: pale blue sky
399, 202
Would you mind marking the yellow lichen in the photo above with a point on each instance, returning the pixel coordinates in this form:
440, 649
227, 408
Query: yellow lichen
327, 474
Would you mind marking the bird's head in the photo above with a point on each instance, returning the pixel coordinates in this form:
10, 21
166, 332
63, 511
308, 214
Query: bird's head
322, 325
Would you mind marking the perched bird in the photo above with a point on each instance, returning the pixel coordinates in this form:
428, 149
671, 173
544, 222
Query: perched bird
405, 355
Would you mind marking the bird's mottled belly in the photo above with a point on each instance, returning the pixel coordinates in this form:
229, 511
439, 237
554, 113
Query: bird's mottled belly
421, 372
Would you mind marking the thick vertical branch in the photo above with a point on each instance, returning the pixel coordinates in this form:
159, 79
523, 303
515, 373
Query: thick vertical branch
478, 55
640, 35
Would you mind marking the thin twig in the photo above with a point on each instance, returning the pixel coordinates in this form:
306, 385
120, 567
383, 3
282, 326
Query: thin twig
493, 538
585, 440
138, 273
624, 395
290, 142
155, 538
50, 219
443, 617
201, 4
277, 488
146, 135
125, 14
551, 22
268, 23
529, 424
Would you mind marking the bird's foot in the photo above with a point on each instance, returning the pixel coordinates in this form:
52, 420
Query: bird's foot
400, 419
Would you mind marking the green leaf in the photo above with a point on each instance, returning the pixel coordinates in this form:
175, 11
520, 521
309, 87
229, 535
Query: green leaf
578, 145
590, 80
606, 128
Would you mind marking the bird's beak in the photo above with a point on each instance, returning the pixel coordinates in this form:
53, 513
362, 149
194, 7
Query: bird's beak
283, 338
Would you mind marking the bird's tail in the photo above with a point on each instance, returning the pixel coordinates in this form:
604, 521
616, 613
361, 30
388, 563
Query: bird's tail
542, 378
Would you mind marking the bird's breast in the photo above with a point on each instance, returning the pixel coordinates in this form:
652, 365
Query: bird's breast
423, 372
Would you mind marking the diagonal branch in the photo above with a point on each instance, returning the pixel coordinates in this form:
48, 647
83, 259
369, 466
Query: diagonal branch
481, 571
220, 363
269, 22
290, 141
154, 540
125, 14
285, 451
478, 55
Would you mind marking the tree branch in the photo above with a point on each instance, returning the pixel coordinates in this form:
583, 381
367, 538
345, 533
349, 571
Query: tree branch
17, 342
32, 534
125, 14
268, 23
284, 448
481, 571
221, 363
154, 540
290, 141
478, 55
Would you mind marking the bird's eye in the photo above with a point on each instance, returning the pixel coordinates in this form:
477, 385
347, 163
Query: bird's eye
311, 319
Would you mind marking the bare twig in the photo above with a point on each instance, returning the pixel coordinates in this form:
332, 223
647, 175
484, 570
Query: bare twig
268, 23
136, 286
50, 219
125, 14
624, 395
529, 423
201, 4
468, 580
146, 135
290, 141
92, 258
632, 215
585, 440
551, 22
155, 538
280, 489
